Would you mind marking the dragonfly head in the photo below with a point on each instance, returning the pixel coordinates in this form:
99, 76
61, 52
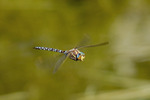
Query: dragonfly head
80, 56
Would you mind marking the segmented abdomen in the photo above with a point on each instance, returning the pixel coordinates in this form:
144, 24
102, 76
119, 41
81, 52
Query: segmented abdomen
49, 49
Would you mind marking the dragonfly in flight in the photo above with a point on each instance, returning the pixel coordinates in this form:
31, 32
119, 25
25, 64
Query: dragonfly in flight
74, 54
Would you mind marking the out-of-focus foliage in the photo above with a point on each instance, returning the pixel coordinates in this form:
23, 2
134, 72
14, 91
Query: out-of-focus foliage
118, 71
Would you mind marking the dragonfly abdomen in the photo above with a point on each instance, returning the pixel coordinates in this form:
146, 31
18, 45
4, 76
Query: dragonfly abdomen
49, 49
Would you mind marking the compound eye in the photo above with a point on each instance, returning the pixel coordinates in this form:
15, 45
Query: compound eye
78, 55
82, 53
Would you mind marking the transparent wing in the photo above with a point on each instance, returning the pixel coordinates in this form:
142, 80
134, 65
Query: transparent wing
84, 41
105, 43
60, 62
47, 61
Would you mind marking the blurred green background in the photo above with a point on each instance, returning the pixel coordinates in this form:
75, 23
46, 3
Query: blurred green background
118, 71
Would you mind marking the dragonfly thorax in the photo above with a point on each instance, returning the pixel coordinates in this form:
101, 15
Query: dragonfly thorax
76, 55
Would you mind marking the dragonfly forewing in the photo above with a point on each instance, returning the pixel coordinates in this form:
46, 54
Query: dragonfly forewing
100, 44
60, 62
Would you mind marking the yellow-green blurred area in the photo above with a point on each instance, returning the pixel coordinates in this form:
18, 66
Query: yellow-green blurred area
117, 71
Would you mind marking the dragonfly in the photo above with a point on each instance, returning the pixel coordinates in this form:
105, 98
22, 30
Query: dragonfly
74, 54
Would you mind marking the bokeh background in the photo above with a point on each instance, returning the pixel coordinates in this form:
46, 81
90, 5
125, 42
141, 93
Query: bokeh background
118, 71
